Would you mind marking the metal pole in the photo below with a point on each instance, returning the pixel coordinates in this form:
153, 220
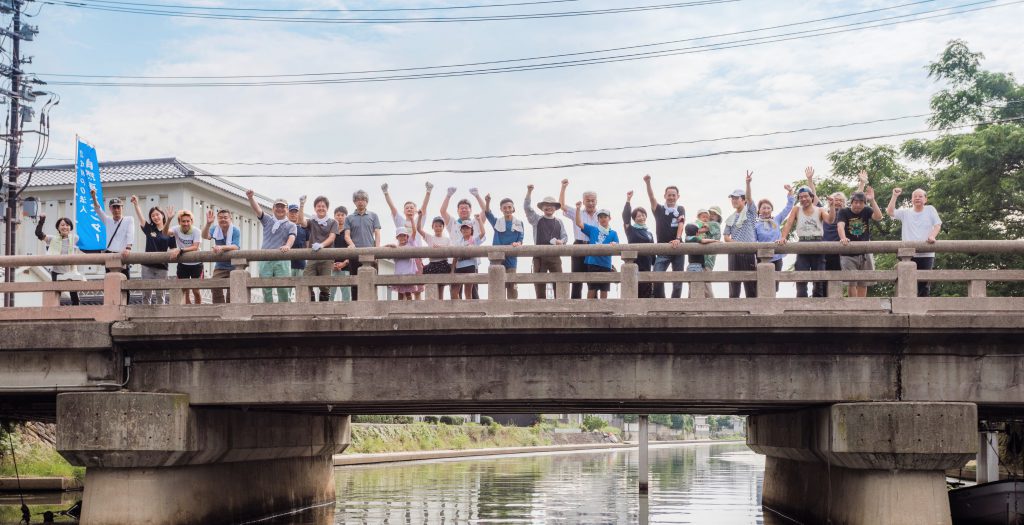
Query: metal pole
643, 454
14, 141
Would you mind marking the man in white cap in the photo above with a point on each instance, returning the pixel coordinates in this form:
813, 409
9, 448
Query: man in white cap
739, 227
120, 229
278, 234
548, 230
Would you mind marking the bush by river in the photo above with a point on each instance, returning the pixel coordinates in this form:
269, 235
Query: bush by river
375, 438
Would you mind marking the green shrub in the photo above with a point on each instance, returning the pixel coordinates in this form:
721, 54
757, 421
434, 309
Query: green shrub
388, 420
452, 420
592, 422
432, 420
486, 421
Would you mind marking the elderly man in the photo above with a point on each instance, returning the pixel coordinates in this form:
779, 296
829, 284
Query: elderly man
120, 229
278, 234
362, 230
589, 213
739, 227
226, 238
919, 223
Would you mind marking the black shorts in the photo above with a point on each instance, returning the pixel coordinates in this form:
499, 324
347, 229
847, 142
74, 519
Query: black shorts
437, 267
190, 271
466, 269
601, 287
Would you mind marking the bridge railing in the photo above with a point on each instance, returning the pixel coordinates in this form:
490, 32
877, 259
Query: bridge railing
241, 284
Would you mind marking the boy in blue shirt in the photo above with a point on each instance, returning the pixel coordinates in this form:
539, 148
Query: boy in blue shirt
599, 234
508, 231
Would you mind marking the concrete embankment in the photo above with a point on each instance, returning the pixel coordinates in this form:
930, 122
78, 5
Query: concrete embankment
423, 455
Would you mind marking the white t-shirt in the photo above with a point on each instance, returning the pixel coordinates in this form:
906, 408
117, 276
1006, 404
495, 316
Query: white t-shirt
473, 241
433, 242
186, 240
917, 226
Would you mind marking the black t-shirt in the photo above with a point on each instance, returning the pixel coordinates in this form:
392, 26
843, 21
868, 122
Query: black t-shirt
858, 225
690, 233
156, 241
667, 223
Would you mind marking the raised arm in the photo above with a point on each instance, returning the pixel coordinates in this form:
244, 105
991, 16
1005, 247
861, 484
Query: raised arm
650, 193
750, 196
561, 194
784, 236
96, 205
444, 205
426, 198
482, 226
303, 221
890, 210
876, 212
484, 204
387, 198
419, 218
210, 217
627, 211
39, 227
531, 216
138, 210
862, 180
809, 175
790, 201
251, 195
579, 216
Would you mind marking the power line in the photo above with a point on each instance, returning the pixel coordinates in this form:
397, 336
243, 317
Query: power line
799, 35
526, 59
390, 9
566, 152
78, 4
588, 163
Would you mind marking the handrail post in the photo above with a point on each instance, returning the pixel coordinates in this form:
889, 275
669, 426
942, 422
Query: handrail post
113, 295
239, 282
366, 284
496, 277
906, 273
629, 287
765, 273
977, 288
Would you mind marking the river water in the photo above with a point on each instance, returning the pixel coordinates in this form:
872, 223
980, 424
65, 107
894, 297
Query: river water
719, 484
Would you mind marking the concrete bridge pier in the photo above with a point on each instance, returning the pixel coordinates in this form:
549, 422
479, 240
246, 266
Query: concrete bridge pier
864, 463
153, 459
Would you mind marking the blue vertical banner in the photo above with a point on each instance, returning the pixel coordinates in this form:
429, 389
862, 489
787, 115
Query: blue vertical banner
92, 233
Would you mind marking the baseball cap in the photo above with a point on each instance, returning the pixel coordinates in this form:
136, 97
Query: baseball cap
291, 207
401, 230
737, 193
604, 211
282, 202
114, 202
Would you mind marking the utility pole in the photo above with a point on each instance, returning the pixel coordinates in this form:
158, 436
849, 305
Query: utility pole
20, 91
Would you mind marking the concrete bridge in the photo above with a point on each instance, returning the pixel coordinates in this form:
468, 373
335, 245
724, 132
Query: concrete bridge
859, 404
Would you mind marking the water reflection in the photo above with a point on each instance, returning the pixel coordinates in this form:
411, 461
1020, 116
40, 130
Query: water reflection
689, 484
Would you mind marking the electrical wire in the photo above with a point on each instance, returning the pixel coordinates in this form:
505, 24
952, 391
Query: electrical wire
79, 4
348, 10
799, 35
491, 62
589, 163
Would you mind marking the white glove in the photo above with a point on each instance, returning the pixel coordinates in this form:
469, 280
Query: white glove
317, 246
554, 241
430, 186
384, 187
452, 190
474, 192
302, 198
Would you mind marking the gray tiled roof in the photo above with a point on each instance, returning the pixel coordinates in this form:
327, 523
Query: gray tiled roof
138, 170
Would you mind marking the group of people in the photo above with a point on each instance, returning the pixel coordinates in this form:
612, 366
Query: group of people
287, 227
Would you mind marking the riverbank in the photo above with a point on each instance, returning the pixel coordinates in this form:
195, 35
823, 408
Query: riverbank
375, 438
341, 460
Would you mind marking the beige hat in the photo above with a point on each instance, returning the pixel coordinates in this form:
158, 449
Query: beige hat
551, 201
282, 202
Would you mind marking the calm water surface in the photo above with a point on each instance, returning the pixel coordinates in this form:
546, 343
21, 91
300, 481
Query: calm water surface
719, 484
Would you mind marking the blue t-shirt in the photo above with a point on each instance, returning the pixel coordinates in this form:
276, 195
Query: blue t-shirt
234, 237
301, 237
596, 237
507, 237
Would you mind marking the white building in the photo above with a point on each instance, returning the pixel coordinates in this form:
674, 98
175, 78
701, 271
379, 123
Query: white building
156, 182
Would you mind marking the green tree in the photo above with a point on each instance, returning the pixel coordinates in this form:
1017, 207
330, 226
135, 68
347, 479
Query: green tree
592, 422
973, 179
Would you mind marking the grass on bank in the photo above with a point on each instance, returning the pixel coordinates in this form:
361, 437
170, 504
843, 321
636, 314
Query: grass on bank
368, 438
35, 460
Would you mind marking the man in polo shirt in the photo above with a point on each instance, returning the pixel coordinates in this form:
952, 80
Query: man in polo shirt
362, 230
919, 223
464, 208
278, 234
226, 238
508, 231
120, 229
298, 266
669, 221
589, 213
321, 235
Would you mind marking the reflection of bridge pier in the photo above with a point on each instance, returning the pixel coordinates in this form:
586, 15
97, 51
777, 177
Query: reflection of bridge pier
278, 373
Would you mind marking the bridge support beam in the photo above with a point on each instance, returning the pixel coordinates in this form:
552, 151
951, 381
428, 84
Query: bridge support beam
864, 463
151, 458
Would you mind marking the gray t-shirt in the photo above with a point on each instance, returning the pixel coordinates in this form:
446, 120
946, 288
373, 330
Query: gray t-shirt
276, 232
362, 227
319, 233
916, 226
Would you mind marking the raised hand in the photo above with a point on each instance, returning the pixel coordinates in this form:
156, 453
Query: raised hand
788, 188
452, 190
209, 216
869, 193
430, 186
809, 173
170, 212
647, 179
750, 176
384, 187
629, 195
529, 188
249, 193
302, 199
565, 182
487, 198
863, 176
579, 204
474, 192
134, 199
896, 192
92, 192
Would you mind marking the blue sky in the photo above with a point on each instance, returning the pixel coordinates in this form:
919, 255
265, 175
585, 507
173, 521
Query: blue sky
862, 75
